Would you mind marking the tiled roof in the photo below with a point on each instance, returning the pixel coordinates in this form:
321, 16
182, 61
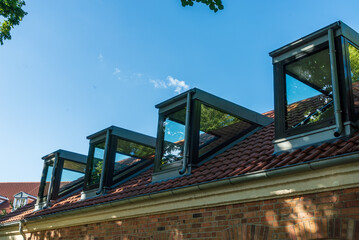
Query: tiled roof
9, 189
255, 153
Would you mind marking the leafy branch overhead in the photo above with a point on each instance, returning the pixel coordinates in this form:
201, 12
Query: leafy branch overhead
214, 5
12, 13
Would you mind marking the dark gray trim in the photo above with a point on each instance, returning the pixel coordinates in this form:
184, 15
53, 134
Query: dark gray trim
71, 156
125, 134
306, 39
219, 103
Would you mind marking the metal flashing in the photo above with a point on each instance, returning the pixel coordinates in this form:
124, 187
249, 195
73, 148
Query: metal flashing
125, 134
71, 156
216, 102
338, 27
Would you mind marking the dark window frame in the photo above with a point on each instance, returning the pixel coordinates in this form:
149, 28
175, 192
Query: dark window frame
199, 97
280, 95
110, 179
89, 163
58, 166
346, 75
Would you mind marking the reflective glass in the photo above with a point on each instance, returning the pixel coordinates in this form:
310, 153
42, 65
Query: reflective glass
129, 154
48, 179
217, 128
72, 173
354, 72
97, 162
309, 90
174, 132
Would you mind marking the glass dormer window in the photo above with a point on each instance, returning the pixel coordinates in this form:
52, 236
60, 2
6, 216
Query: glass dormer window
116, 154
316, 93
309, 90
196, 125
63, 173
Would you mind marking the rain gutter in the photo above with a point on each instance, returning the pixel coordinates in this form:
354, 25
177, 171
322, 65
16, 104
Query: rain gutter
260, 175
21, 229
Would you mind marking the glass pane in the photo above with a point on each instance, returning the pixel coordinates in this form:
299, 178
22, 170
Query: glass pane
174, 131
217, 128
48, 179
129, 154
354, 72
97, 162
72, 174
309, 90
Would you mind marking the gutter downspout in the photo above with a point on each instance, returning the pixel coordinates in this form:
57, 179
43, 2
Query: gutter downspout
48, 199
335, 85
101, 187
21, 229
187, 132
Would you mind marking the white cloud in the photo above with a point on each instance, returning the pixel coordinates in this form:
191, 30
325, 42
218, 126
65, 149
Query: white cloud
179, 86
117, 71
158, 83
100, 57
172, 82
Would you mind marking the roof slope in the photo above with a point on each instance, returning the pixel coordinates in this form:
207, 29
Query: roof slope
9, 189
251, 155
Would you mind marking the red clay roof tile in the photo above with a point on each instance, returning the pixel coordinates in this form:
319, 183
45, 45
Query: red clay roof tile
254, 153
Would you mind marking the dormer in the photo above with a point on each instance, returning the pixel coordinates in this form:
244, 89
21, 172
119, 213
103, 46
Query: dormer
62, 174
316, 88
195, 126
115, 154
21, 199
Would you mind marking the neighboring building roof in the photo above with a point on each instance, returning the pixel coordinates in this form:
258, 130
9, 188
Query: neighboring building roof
254, 154
9, 189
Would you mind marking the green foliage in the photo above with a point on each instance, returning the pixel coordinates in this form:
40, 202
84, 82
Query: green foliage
214, 5
3, 212
134, 149
354, 62
11, 11
96, 171
212, 119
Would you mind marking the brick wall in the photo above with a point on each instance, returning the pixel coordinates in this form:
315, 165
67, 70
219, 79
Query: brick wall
328, 215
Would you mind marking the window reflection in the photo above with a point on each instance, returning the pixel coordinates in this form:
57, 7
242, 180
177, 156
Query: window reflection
354, 72
72, 174
174, 132
217, 128
129, 154
97, 162
309, 90
48, 178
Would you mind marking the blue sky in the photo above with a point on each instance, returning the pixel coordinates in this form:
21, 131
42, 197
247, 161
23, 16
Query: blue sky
73, 68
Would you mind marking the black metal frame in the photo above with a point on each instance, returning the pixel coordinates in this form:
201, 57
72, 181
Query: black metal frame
54, 188
115, 133
345, 71
199, 97
342, 35
281, 128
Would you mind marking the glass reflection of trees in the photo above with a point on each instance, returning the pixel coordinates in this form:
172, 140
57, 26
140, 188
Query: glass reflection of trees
174, 131
309, 90
216, 128
354, 71
129, 154
97, 163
